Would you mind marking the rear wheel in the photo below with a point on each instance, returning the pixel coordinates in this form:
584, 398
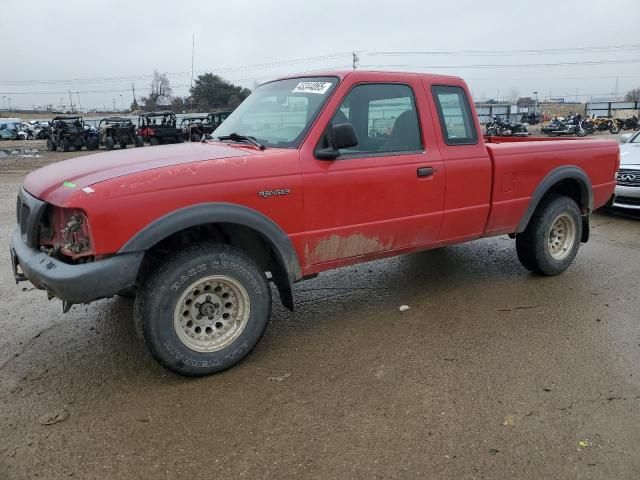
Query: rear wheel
92, 143
615, 129
109, 143
203, 310
195, 137
123, 145
65, 145
552, 239
139, 141
51, 147
154, 141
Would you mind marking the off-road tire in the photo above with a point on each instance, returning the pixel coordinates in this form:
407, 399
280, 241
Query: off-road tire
614, 130
153, 141
123, 145
139, 141
51, 147
92, 143
534, 244
109, 143
195, 137
160, 302
64, 144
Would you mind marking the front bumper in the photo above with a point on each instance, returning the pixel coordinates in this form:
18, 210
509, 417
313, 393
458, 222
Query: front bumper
626, 197
81, 283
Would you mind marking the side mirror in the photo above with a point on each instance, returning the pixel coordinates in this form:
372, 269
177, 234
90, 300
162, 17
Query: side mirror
342, 136
625, 137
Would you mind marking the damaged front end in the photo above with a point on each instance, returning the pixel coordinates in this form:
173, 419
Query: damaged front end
65, 235
52, 247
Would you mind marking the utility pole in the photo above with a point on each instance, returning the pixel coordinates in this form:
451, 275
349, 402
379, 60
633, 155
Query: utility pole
193, 48
79, 102
3, 97
133, 91
356, 60
535, 92
114, 104
71, 101
122, 101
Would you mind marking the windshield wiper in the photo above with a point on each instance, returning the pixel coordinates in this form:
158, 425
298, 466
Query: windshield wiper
236, 137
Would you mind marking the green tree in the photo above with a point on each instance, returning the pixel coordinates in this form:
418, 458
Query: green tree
211, 91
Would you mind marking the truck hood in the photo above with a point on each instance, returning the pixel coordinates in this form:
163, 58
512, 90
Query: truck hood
629, 154
81, 172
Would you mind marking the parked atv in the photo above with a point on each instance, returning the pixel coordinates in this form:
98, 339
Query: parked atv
216, 118
193, 128
66, 133
120, 131
159, 127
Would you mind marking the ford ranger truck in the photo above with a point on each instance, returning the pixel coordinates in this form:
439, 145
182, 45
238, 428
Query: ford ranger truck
308, 174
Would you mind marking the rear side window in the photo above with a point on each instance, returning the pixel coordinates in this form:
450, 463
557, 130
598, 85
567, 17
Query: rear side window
457, 123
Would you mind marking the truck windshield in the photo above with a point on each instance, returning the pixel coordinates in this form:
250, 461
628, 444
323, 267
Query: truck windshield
279, 114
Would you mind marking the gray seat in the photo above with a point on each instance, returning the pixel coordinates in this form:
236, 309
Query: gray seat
405, 135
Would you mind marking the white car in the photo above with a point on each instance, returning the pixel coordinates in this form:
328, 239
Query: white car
627, 193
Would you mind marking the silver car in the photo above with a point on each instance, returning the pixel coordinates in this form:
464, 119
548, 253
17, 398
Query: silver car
627, 194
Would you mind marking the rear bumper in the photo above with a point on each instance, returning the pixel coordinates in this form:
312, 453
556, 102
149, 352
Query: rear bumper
626, 197
81, 283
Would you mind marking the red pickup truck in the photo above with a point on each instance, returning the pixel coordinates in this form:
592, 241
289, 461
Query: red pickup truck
309, 173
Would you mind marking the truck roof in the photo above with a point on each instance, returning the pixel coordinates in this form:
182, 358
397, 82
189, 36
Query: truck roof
367, 74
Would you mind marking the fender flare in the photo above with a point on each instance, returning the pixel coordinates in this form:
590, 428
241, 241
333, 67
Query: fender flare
553, 177
206, 213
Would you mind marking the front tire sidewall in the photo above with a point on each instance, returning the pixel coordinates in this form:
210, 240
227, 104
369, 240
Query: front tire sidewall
156, 303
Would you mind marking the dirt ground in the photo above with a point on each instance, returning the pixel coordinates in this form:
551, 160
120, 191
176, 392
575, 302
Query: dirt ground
492, 373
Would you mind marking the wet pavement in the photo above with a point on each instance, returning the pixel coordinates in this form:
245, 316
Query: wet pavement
491, 373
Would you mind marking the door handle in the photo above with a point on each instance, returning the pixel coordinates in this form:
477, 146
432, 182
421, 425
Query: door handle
425, 171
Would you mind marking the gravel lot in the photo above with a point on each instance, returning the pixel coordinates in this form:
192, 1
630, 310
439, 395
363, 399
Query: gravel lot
491, 373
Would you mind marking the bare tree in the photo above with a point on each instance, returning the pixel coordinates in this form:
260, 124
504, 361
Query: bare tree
633, 95
160, 87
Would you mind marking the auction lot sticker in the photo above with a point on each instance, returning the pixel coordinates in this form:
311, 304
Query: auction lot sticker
312, 87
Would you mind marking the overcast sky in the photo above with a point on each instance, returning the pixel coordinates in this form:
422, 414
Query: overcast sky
102, 47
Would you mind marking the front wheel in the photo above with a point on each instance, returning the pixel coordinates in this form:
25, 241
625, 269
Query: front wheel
614, 129
139, 141
203, 310
153, 141
552, 239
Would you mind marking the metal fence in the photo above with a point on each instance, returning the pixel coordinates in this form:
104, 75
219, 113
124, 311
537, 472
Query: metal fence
611, 109
505, 111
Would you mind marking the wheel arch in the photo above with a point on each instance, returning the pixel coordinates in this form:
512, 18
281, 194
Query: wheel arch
234, 224
571, 181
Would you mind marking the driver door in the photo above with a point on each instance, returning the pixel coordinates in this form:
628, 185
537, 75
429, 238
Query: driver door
384, 195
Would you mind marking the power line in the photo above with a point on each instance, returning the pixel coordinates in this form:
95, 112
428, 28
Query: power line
514, 65
538, 51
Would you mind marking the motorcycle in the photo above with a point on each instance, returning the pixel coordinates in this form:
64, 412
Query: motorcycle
504, 128
561, 126
628, 123
605, 123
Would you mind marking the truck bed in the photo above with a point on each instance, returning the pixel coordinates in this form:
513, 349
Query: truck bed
519, 164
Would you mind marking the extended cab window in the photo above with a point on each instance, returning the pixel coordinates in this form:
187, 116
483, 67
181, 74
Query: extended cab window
384, 117
457, 123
